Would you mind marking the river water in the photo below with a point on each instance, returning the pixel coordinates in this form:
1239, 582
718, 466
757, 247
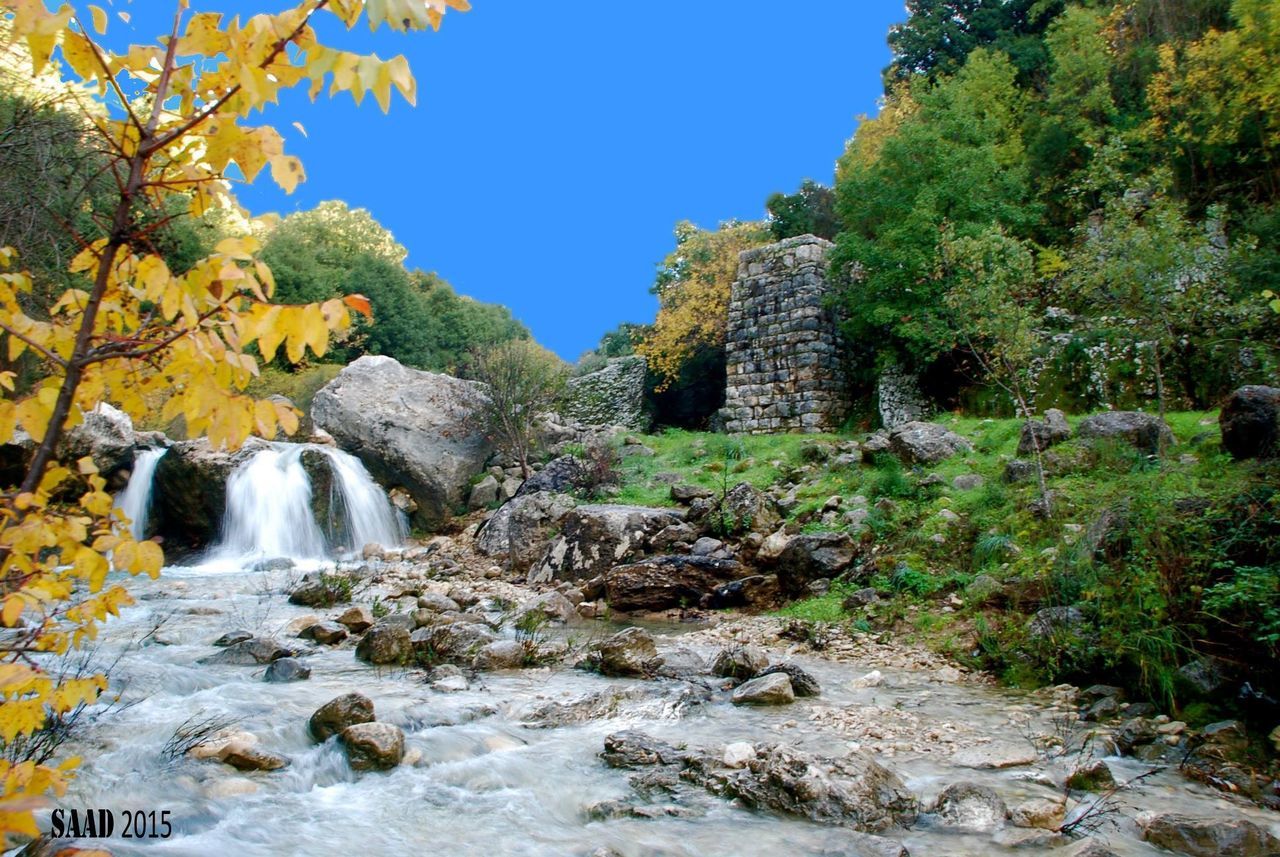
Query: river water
486, 782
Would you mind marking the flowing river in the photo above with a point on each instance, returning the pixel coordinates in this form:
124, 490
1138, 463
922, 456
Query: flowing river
487, 772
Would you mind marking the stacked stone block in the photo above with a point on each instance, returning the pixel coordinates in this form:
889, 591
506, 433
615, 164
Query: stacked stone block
784, 361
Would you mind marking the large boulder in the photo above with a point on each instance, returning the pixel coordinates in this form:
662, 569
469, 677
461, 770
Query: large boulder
562, 475
746, 509
339, 713
1144, 432
771, 689
190, 490
970, 806
1250, 422
106, 434
1040, 435
373, 746
612, 396
661, 583
596, 538
926, 443
520, 530
813, 557
630, 652
416, 430
1206, 837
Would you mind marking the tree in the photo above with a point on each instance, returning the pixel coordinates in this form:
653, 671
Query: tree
130, 326
956, 159
693, 287
809, 211
522, 381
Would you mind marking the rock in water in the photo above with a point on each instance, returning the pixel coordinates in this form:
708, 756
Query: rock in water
1250, 422
287, 669
666, 582
413, 429
740, 662
520, 529
1207, 837
970, 806
337, 714
630, 652
385, 644
249, 652
189, 498
373, 746
772, 689
801, 682
1144, 432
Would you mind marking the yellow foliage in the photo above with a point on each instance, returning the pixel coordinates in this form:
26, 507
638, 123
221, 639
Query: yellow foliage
132, 329
694, 286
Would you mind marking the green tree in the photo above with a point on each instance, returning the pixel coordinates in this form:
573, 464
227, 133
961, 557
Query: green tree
809, 211
522, 381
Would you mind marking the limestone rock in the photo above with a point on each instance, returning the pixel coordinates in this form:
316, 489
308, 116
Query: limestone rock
813, 557
740, 662
257, 650
520, 529
926, 443
595, 538
1144, 432
802, 682
373, 746
612, 396
189, 497
1042, 435
452, 642
1040, 813
286, 670
385, 644
500, 655
772, 689
483, 494
357, 619
1207, 837
1250, 422
411, 429
665, 582
106, 434
327, 633
970, 806
630, 652
339, 713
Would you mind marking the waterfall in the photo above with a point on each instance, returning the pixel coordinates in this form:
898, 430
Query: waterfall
134, 502
272, 506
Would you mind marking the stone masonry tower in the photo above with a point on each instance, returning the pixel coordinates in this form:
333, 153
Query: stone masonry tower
784, 364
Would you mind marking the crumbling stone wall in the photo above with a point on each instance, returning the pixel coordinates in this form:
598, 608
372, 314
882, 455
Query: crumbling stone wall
785, 372
612, 396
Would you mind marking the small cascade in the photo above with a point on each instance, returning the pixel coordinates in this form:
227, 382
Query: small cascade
272, 506
134, 502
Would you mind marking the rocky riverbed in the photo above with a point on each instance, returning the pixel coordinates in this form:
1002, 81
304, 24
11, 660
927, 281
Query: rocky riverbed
721, 735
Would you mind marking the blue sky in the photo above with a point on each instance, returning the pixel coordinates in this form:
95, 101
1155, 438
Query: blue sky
555, 145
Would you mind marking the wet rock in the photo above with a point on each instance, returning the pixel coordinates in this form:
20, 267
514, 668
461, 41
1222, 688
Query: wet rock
406, 621
738, 755
412, 429
256, 650
319, 592
852, 790
286, 670
296, 626
232, 637
385, 644
1144, 432
438, 603
1088, 848
972, 807
739, 661
1226, 737
994, 757
455, 642
1041, 813
594, 539
357, 619
553, 607
519, 531
1027, 839
870, 845
1207, 676
500, 655
189, 499
772, 689
1250, 422
1104, 709
1042, 435
630, 652
1136, 731
1207, 837
632, 749
811, 557
1094, 776
666, 582
608, 810
373, 746
801, 682
339, 713
757, 592
682, 663
926, 443
249, 758
105, 434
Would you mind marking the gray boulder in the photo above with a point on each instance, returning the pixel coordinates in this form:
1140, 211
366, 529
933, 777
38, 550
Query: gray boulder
612, 396
520, 529
970, 806
385, 644
500, 655
189, 497
106, 434
286, 670
772, 689
741, 662
328, 633
562, 475
373, 746
802, 682
1037, 434
745, 509
339, 713
412, 429
257, 650
926, 443
1144, 432
1250, 422
595, 538
807, 558
484, 493
665, 582
630, 652
452, 642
